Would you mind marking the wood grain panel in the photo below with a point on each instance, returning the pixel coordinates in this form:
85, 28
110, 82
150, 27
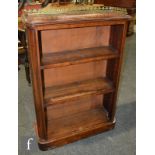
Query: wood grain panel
72, 107
73, 39
70, 74
60, 59
75, 124
62, 93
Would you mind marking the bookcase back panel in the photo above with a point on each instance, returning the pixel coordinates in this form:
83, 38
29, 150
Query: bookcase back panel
74, 73
74, 106
73, 39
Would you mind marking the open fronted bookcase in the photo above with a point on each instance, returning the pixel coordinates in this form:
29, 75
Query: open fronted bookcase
75, 67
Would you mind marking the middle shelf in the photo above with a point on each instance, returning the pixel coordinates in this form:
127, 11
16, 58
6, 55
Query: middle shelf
66, 58
60, 93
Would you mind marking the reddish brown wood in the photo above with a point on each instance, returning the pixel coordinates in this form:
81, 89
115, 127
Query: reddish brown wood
71, 40
77, 126
49, 22
37, 82
74, 106
77, 89
118, 35
78, 56
75, 86
73, 73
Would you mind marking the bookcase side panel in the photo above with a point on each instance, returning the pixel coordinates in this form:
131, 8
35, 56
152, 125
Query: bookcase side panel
117, 40
36, 81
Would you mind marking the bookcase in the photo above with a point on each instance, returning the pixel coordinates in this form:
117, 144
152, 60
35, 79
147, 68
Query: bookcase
75, 68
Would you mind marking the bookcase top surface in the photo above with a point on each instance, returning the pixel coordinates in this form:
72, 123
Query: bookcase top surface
73, 13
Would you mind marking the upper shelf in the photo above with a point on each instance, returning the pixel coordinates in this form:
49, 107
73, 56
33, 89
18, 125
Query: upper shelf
75, 57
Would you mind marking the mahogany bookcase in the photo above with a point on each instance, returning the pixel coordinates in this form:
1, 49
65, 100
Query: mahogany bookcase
75, 68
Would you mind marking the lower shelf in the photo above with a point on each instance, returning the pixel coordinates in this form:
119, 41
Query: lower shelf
74, 127
77, 89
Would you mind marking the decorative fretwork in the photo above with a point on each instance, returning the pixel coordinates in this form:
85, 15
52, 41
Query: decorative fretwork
54, 9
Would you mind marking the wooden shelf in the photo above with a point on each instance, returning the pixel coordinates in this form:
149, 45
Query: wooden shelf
79, 56
77, 125
69, 91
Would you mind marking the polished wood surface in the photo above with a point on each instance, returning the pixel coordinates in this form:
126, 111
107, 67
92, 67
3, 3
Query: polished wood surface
49, 22
77, 126
36, 81
78, 56
75, 80
76, 123
80, 88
